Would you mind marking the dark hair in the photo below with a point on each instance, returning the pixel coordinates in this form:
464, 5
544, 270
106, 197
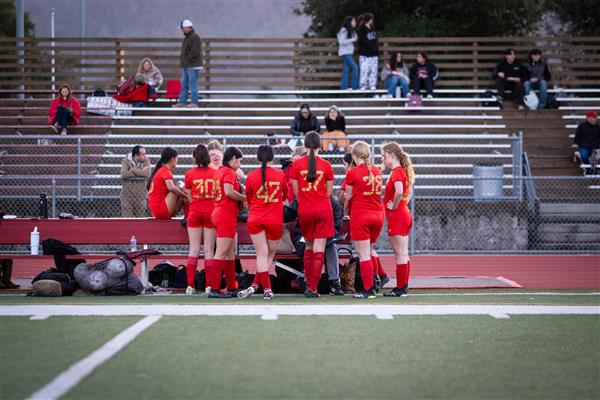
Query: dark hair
231, 152
508, 51
136, 150
424, 55
348, 158
347, 24
393, 62
70, 95
312, 141
264, 155
201, 156
303, 106
535, 52
365, 18
166, 155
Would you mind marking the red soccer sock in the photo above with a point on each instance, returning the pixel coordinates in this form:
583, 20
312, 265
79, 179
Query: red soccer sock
307, 259
366, 273
190, 270
378, 267
230, 274
216, 272
256, 281
401, 275
208, 272
265, 279
315, 273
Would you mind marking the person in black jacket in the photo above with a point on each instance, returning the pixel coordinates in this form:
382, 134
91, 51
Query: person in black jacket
368, 52
304, 121
537, 77
587, 137
510, 75
423, 73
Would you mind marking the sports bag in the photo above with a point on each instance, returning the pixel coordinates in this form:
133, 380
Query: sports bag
126, 86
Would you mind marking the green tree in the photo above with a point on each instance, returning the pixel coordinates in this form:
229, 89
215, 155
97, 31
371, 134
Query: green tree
427, 18
8, 20
580, 16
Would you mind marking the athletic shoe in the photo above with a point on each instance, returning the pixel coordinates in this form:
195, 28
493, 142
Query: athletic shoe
397, 292
336, 289
309, 294
429, 96
232, 292
192, 105
64, 131
242, 294
190, 290
366, 294
268, 295
178, 105
207, 290
217, 294
55, 127
521, 108
384, 281
376, 282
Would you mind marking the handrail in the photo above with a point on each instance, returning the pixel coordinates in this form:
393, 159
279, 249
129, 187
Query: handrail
533, 202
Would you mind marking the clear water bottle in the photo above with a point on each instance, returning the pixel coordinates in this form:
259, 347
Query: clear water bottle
133, 243
165, 280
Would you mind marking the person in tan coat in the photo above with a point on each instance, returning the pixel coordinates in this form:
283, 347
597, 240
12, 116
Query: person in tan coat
135, 171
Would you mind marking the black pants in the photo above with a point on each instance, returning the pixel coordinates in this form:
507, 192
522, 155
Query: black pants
418, 83
63, 117
517, 87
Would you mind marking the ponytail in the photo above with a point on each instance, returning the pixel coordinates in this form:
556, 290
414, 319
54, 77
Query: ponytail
403, 158
166, 155
362, 150
264, 154
312, 141
201, 156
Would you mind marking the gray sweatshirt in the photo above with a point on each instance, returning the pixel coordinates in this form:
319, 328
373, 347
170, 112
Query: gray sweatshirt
346, 44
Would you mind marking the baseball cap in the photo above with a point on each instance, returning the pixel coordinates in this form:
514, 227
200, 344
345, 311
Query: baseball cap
186, 23
591, 114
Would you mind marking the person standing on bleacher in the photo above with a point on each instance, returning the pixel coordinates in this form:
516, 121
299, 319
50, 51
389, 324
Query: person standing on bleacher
368, 52
191, 64
135, 171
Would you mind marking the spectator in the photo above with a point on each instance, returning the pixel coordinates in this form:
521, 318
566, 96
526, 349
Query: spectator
151, 74
304, 121
346, 38
510, 75
395, 74
368, 51
135, 171
587, 137
423, 73
64, 111
537, 77
191, 64
336, 128
139, 95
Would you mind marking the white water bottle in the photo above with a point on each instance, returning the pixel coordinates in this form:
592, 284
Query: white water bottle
133, 243
34, 242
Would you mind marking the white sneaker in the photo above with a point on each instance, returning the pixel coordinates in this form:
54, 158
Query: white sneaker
521, 108
242, 294
54, 127
64, 131
190, 291
429, 96
268, 295
207, 290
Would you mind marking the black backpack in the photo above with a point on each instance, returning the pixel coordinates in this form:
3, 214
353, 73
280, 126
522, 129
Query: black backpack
99, 93
163, 271
59, 250
68, 285
490, 101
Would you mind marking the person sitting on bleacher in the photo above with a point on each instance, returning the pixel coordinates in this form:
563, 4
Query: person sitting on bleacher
510, 74
395, 74
587, 137
140, 95
335, 137
304, 121
64, 111
538, 76
423, 73
151, 74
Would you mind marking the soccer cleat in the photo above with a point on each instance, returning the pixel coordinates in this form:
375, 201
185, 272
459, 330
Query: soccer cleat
397, 292
336, 289
232, 292
366, 294
242, 294
309, 294
268, 295
216, 294
190, 290
376, 282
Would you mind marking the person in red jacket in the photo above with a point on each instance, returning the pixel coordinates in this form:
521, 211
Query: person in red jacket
397, 195
165, 199
200, 185
266, 190
64, 111
224, 218
312, 182
363, 188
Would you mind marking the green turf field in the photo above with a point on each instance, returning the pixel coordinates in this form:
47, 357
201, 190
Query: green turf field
357, 357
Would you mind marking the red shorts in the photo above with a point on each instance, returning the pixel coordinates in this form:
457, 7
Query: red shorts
316, 225
399, 222
159, 210
273, 231
200, 219
225, 224
366, 226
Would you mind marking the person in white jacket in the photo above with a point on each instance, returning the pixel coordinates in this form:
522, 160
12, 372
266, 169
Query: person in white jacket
346, 38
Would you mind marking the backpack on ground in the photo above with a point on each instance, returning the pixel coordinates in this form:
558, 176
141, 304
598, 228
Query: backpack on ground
163, 274
59, 250
99, 93
111, 277
414, 100
490, 99
53, 283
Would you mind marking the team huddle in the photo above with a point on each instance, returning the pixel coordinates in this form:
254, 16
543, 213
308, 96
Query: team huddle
212, 195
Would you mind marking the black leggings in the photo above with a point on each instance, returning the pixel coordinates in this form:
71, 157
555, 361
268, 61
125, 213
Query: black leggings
63, 117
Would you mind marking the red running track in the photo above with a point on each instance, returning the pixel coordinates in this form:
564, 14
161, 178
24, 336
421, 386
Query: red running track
529, 271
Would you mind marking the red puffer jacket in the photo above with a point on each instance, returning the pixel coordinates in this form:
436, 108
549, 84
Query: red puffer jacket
73, 104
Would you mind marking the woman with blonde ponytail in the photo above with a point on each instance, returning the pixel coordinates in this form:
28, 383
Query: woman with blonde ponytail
363, 187
398, 191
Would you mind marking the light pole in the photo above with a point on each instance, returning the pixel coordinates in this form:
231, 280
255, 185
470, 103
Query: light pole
52, 61
20, 45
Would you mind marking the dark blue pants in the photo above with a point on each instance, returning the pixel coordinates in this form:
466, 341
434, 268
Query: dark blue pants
63, 117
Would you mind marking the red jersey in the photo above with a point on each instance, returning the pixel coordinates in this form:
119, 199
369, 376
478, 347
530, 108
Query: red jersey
158, 188
201, 182
398, 174
222, 202
266, 206
366, 188
311, 194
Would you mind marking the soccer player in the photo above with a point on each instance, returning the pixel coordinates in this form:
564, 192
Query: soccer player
224, 218
165, 199
312, 183
200, 185
397, 194
266, 190
363, 188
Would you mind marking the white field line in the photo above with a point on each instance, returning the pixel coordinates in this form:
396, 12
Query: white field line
72, 376
369, 308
